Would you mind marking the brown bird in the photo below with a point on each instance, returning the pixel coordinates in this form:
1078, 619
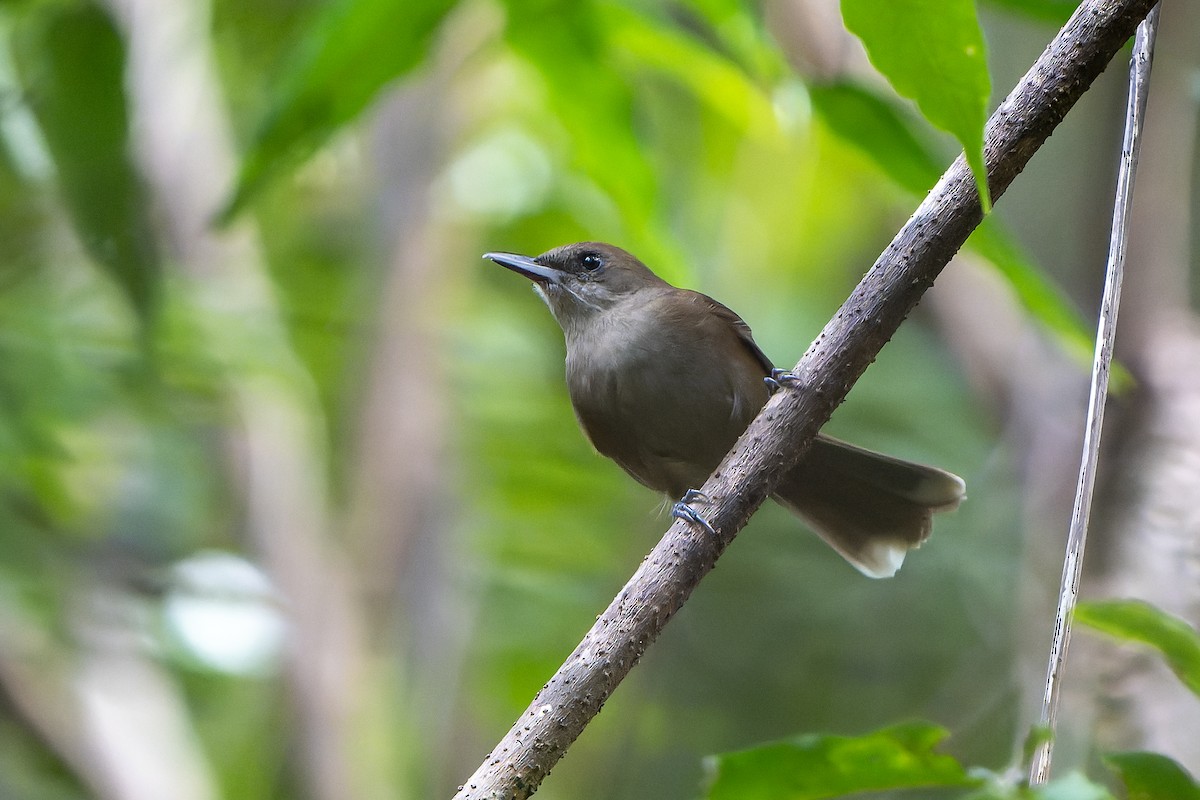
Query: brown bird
664, 381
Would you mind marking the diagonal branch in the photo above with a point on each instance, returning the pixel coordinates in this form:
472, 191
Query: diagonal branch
786, 426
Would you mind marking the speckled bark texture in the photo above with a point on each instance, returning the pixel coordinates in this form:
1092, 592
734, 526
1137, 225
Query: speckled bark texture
783, 430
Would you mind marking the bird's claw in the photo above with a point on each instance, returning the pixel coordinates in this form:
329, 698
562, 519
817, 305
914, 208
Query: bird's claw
778, 379
682, 510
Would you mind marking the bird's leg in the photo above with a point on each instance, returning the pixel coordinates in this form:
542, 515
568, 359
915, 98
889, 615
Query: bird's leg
682, 510
778, 379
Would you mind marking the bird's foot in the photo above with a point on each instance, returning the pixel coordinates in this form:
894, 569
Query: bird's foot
682, 510
778, 379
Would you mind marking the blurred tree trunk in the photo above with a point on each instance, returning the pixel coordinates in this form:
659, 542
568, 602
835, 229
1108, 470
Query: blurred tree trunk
1149, 517
113, 713
277, 439
403, 517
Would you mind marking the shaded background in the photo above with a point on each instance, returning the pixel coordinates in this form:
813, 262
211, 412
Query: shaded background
295, 505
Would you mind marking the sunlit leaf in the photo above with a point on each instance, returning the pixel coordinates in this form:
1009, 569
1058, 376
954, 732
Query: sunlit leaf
1153, 776
72, 62
1137, 621
350, 53
933, 52
713, 79
737, 31
819, 766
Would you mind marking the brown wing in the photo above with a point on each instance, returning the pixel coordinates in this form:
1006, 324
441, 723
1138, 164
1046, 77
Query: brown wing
743, 331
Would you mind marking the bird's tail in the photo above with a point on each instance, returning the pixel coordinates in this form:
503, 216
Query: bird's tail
869, 507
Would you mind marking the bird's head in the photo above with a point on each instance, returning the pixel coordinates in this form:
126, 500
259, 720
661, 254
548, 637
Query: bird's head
582, 280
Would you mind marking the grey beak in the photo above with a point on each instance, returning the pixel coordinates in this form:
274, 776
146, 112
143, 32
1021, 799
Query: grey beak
526, 266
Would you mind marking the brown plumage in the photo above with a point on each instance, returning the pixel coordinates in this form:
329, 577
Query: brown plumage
664, 380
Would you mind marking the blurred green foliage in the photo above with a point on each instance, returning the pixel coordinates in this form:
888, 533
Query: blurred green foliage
933, 53
678, 130
1153, 776
1137, 621
1056, 11
72, 64
903, 757
814, 766
345, 57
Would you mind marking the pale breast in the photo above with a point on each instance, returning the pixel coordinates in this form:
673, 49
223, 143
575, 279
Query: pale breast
663, 397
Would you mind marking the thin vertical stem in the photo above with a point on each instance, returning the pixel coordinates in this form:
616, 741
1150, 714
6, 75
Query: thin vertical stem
1139, 84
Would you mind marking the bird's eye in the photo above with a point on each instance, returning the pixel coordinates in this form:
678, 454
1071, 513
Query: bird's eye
591, 262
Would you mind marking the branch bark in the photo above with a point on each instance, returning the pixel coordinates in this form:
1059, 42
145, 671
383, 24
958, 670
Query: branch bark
781, 433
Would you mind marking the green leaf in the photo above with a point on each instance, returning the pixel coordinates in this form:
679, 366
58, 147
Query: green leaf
933, 52
1137, 621
351, 52
1153, 776
72, 63
713, 79
819, 766
866, 121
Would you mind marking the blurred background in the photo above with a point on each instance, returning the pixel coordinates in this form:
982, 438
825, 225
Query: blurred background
292, 500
